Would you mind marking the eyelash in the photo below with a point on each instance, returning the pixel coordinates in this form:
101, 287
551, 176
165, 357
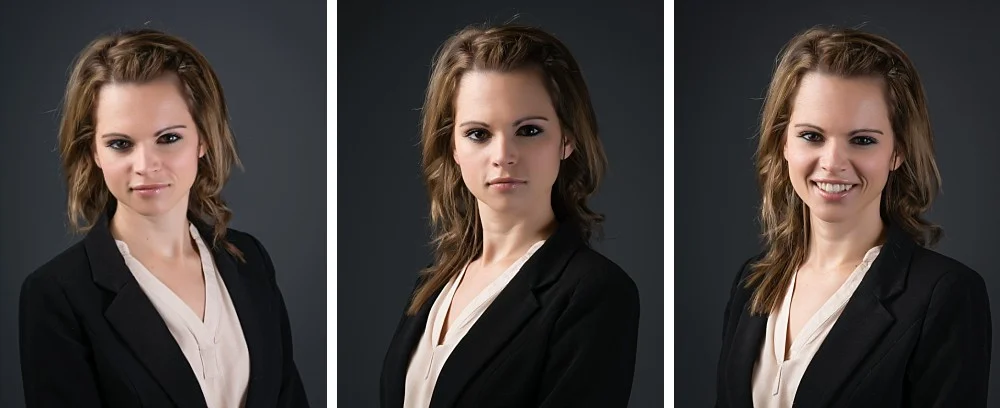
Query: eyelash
117, 143
868, 140
471, 133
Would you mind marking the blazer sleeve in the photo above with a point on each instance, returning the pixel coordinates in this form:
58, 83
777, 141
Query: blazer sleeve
292, 393
591, 360
951, 364
56, 363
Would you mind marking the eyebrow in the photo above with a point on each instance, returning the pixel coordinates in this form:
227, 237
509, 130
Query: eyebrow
855, 131
114, 134
516, 122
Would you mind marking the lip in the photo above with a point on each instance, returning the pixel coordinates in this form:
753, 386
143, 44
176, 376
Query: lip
149, 190
832, 196
832, 181
148, 187
506, 180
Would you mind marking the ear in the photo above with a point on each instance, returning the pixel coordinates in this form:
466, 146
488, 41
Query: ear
201, 150
784, 149
897, 160
567, 148
97, 159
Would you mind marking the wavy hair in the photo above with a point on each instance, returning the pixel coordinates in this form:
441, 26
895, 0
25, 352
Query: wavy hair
139, 56
457, 230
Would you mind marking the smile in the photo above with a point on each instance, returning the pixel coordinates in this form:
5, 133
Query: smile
833, 188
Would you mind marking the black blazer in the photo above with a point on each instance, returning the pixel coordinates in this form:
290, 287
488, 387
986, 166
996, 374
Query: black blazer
916, 333
91, 338
562, 333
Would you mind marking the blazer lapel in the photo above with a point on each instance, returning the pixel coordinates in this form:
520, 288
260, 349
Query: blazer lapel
246, 311
746, 346
135, 318
504, 317
397, 359
860, 326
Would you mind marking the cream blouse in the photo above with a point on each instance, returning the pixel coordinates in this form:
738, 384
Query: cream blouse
774, 380
215, 348
429, 357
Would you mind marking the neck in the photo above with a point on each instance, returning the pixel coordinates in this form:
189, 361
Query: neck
506, 236
164, 236
834, 245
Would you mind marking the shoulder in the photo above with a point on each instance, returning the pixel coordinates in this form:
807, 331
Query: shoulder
243, 240
69, 268
69, 264
943, 274
256, 258
594, 276
254, 251
745, 269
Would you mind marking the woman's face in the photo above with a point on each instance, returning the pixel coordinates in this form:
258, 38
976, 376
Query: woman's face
508, 140
147, 145
839, 146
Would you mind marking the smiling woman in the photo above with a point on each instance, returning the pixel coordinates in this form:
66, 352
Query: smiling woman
517, 310
848, 306
161, 304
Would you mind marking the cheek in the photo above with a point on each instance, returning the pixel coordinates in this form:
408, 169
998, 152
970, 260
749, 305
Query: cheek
799, 161
876, 170
546, 159
112, 165
183, 160
186, 164
465, 159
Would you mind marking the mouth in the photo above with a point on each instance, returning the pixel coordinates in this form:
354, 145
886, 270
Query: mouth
148, 188
505, 180
833, 190
505, 184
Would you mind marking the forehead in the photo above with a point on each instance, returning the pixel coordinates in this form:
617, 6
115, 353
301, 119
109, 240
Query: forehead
141, 107
836, 102
485, 94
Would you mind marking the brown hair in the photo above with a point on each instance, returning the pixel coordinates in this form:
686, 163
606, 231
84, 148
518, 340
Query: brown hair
910, 189
140, 56
455, 220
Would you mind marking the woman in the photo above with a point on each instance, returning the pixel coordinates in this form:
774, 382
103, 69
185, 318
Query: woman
847, 307
516, 309
160, 304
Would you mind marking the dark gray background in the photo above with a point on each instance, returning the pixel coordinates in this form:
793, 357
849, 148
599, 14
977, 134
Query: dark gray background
271, 59
724, 55
384, 55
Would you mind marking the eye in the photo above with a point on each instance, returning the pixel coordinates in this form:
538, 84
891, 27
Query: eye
169, 138
864, 140
119, 144
529, 130
811, 136
477, 135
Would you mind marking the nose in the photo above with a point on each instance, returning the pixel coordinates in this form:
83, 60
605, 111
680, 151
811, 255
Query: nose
146, 160
835, 157
504, 151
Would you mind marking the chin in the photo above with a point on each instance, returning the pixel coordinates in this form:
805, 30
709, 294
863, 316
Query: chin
153, 208
505, 206
832, 215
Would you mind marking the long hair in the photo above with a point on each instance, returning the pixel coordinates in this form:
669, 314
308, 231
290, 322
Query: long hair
140, 56
457, 230
910, 189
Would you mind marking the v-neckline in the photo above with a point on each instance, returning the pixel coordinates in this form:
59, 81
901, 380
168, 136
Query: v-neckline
808, 332
203, 329
440, 337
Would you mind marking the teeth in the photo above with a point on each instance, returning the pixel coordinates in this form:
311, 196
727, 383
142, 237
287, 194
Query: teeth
834, 188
